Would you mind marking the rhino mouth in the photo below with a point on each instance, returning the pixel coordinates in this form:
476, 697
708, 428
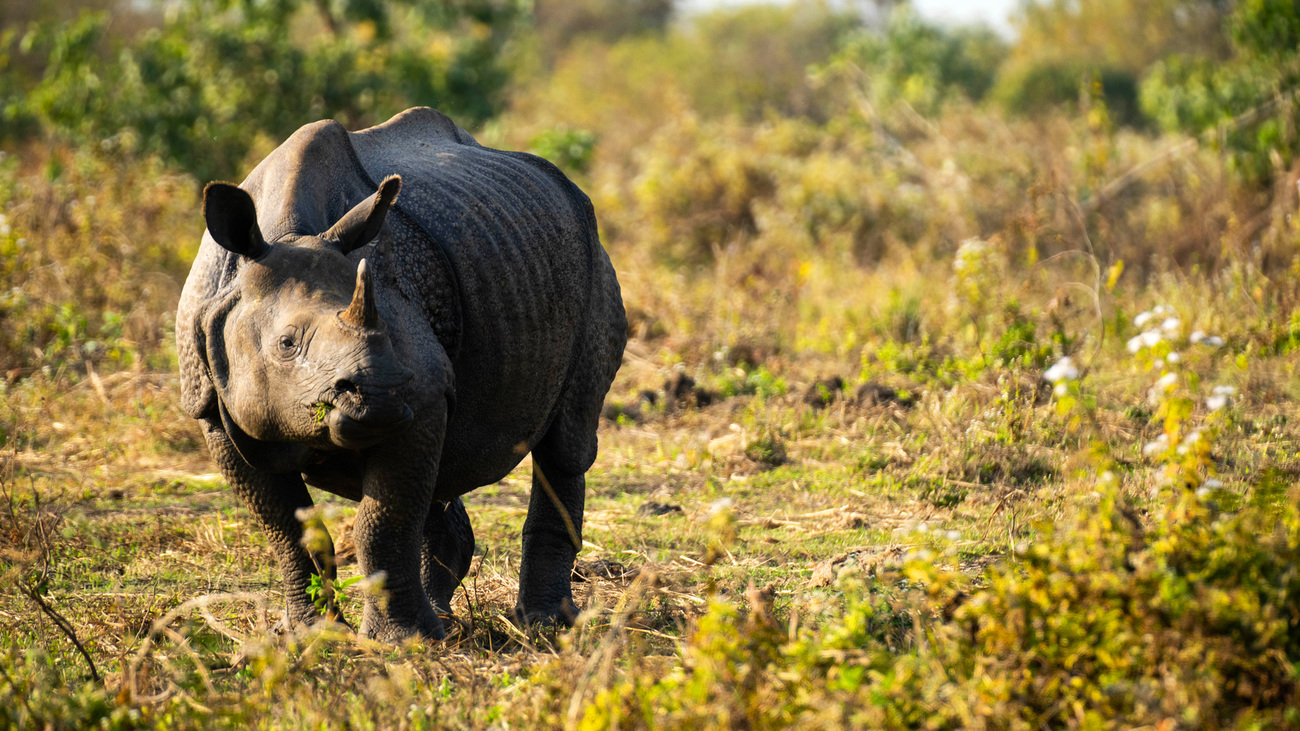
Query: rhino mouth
356, 426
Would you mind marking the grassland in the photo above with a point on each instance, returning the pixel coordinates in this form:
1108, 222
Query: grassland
775, 481
934, 414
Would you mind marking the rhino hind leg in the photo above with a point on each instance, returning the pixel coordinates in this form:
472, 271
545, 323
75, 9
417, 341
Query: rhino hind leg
446, 553
552, 537
553, 529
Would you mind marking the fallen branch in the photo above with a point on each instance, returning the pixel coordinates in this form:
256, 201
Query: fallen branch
64, 627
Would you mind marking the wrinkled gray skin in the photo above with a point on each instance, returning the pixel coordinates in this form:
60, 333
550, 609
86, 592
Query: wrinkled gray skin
484, 323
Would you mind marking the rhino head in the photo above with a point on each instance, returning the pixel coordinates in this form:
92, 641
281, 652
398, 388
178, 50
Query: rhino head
298, 355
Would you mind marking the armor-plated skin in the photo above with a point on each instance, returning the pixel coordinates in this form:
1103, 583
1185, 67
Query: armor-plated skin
402, 350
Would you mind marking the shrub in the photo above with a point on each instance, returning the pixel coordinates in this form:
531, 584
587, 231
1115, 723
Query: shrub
220, 75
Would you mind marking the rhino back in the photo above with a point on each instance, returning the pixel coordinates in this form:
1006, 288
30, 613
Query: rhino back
521, 242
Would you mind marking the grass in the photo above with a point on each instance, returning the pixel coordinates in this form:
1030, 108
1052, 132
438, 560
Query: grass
833, 488
112, 516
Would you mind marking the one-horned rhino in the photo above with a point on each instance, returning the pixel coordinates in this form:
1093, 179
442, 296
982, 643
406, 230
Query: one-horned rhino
402, 351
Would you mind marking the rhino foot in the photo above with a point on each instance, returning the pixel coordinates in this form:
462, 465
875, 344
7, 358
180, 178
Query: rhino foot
560, 614
394, 631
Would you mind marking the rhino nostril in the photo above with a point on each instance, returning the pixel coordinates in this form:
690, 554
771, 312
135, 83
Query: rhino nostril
343, 385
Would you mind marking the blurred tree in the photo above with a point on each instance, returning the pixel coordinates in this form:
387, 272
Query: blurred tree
923, 65
1249, 98
220, 77
755, 59
560, 22
1119, 34
1064, 47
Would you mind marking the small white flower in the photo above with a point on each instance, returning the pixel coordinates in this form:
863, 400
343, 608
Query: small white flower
1196, 336
953, 535
1134, 344
923, 528
1213, 483
1142, 319
1192, 438
1203, 493
1161, 310
1167, 381
1060, 389
1160, 444
1173, 357
1219, 397
1063, 370
1171, 325
720, 505
1151, 338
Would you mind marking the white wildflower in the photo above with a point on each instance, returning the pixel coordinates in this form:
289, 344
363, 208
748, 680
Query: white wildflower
720, 505
1213, 341
1142, 319
953, 535
1151, 338
1134, 344
1060, 389
1171, 325
969, 255
1063, 370
1173, 357
1167, 381
1219, 397
1196, 336
1160, 444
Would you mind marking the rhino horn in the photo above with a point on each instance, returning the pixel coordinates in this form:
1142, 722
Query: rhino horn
363, 223
362, 313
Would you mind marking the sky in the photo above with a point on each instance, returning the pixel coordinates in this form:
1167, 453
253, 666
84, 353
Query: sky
994, 13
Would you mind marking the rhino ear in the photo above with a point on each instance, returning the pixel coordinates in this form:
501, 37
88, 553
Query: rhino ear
362, 224
232, 219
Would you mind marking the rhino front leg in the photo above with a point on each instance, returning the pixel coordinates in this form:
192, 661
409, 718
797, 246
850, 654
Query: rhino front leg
389, 531
274, 500
552, 537
448, 550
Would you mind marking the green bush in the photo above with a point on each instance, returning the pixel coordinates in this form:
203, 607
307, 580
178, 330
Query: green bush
1100, 622
1039, 88
221, 77
919, 63
1246, 101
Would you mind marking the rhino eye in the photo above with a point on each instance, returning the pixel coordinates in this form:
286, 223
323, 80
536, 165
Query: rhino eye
288, 344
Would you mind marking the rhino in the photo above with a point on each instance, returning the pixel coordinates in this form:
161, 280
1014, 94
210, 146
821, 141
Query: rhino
402, 351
